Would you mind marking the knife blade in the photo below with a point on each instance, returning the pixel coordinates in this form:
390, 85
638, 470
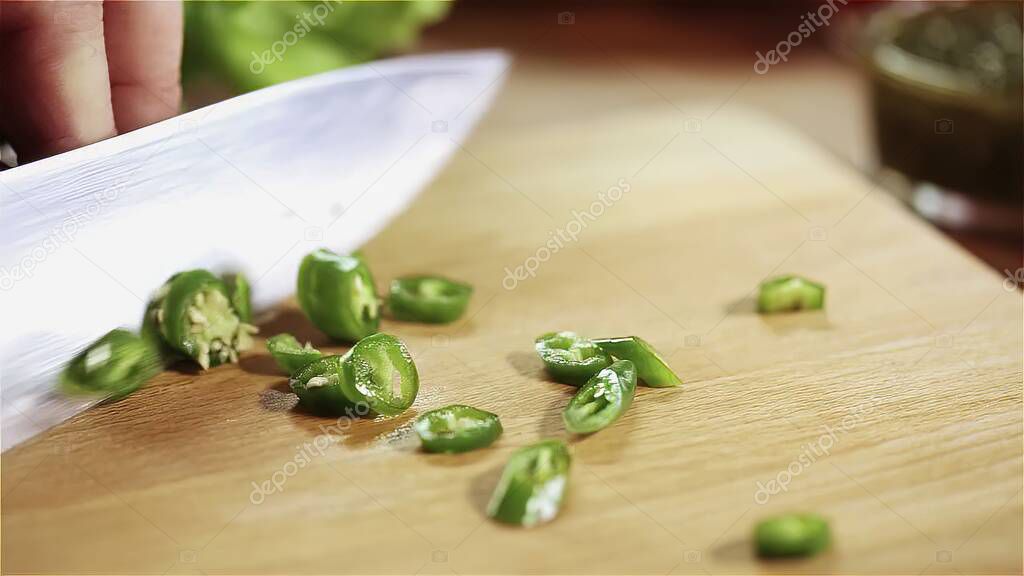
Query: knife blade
250, 184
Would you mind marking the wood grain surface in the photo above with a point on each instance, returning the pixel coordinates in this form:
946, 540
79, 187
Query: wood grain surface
896, 412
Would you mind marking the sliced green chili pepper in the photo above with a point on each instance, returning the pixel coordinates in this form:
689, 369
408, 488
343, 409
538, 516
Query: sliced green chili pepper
241, 295
319, 389
788, 293
650, 367
428, 299
792, 535
290, 355
532, 485
338, 295
115, 365
570, 359
379, 372
602, 399
193, 315
457, 428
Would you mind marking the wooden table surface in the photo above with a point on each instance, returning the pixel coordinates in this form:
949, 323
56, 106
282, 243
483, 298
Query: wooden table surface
896, 412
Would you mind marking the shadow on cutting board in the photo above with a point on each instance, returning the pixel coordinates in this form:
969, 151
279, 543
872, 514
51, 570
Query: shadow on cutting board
262, 364
456, 460
607, 446
293, 321
734, 551
481, 488
527, 364
551, 424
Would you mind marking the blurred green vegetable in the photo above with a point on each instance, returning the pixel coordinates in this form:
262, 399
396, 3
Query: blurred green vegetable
251, 45
792, 535
115, 365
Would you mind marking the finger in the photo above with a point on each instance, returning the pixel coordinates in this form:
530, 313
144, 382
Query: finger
56, 93
144, 54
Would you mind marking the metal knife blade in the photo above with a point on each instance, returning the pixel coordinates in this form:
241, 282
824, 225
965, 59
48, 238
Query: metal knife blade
250, 184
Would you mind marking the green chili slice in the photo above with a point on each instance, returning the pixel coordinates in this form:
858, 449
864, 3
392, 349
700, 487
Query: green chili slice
290, 355
193, 315
570, 359
650, 367
602, 399
319, 389
429, 299
457, 428
532, 485
789, 293
792, 535
338, 295
379, 372
115, 365
241, 295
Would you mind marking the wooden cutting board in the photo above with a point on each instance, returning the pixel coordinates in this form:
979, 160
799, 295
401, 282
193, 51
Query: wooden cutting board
896, 412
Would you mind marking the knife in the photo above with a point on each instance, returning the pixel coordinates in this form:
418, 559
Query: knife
251, 184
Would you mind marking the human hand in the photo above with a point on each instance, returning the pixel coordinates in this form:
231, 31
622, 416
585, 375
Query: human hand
73, 73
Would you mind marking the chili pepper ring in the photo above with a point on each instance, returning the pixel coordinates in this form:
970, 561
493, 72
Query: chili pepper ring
338, 295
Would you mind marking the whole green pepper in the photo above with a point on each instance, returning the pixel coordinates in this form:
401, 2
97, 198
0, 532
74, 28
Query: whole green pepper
792, 535
569, 358
241, 295
338, 295
650, 367
430, 299
318, 387
602, 400
290, 355
789, 293
457, 428
193, 315
115, 365
532, 485
379, 372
